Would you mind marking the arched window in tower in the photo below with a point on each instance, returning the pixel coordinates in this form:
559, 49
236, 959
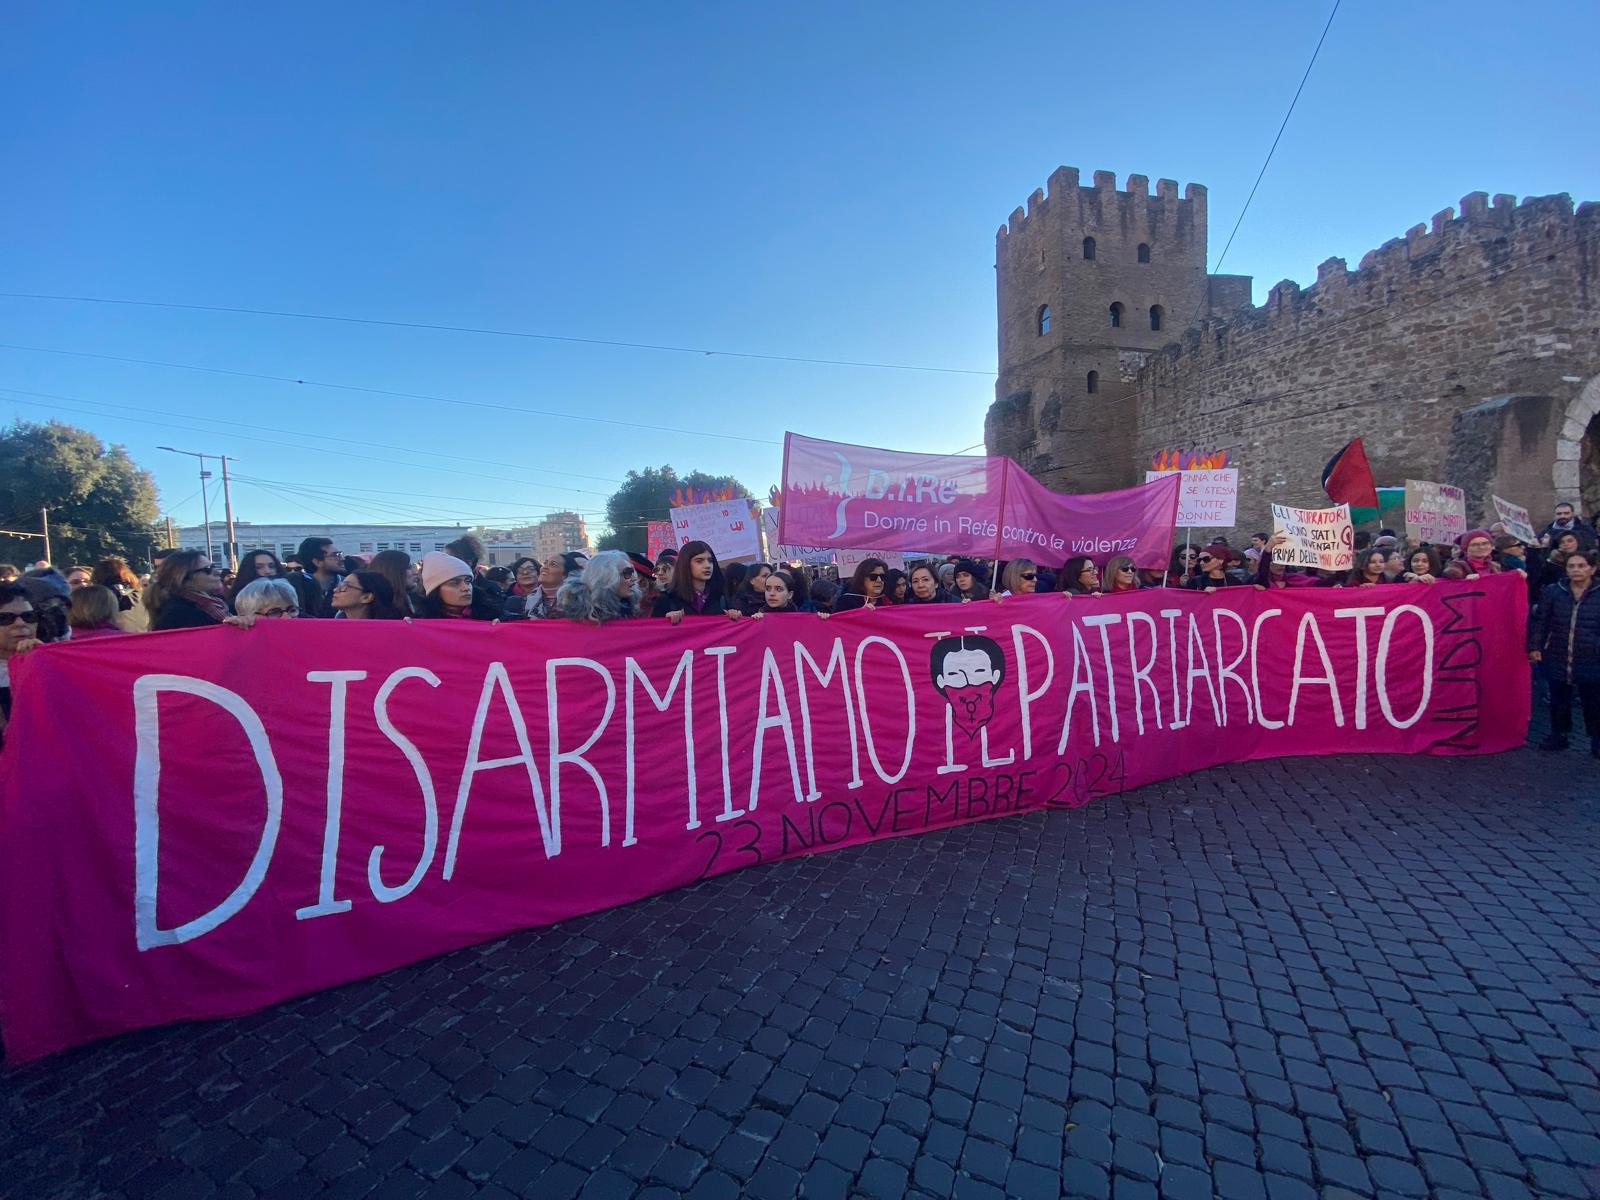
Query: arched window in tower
1116, 315
1088, 247
1094, 382
1044, 320
1144, 252
1155, 317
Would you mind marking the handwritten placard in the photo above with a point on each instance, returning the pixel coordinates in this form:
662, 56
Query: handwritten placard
1206, 499
1314, 537
1516, 520
729, 527
1435, 512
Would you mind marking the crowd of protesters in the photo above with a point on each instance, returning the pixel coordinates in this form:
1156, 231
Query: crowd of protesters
188, 590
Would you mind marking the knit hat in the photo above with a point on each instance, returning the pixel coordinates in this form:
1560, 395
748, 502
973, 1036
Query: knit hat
439, 567
46, 583
970, 567
1469, 535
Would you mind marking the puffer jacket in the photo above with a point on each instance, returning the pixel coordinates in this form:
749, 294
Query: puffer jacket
1566, 632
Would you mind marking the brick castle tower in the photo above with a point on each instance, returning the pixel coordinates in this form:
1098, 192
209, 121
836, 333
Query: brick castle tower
1089, 281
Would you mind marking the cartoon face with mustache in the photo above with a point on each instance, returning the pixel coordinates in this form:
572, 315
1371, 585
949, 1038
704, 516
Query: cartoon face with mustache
967, 670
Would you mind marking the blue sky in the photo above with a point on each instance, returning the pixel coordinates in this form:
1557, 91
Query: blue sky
817, 181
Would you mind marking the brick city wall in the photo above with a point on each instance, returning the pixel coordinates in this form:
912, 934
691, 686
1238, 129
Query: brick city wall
1454, 352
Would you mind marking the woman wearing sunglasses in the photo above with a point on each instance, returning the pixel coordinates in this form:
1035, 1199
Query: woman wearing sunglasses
865, 589
607, 590
1020, 578
186, 593
1122, 575
19, 628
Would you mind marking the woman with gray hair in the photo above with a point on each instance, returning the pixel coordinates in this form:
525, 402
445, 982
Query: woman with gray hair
261, 598
607, 590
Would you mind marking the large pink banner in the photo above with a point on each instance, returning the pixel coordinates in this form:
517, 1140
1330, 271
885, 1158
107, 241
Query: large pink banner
203, 822
845, 496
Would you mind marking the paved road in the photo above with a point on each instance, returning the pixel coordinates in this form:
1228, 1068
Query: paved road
1357, 976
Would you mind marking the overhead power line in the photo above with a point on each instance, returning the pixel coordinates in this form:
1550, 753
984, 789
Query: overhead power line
375, 391
485, 332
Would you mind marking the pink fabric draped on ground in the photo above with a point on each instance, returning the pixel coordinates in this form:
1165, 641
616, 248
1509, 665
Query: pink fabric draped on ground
204, 822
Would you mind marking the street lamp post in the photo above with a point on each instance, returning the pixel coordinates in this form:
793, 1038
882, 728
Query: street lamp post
205, 502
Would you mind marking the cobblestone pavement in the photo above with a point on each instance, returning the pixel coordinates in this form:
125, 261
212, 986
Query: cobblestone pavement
1333, 977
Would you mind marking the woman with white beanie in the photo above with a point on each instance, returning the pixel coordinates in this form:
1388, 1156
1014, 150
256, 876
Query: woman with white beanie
448, 591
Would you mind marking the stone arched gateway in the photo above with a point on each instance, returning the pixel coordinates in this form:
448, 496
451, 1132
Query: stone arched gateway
1576, 473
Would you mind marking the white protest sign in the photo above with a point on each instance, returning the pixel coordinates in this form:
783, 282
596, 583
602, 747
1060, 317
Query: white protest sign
849, 560
1206, 499
810, 555
1314, 537
729, 527
1435, 512
1516, 520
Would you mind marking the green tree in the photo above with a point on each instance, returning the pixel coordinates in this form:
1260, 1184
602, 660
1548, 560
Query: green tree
101, 502
647, 496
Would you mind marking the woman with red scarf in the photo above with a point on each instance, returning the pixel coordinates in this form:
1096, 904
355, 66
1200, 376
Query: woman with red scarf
1477, 557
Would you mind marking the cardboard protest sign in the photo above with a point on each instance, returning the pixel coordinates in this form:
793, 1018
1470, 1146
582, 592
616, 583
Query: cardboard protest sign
658, 537
1516, 520
1315, 537
395, 790
1435, 512
1207, 499
729, 527
810, 555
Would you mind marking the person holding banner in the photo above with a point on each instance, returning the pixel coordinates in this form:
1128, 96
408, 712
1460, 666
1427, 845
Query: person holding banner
607, 589
698, 588
265, 599
1079, 577
1422, 566
1122, 575
186, 592
1564, 638
1020, 578
1185, 565
1370, 569
866, 588
1477, 557
896, 586
449, 593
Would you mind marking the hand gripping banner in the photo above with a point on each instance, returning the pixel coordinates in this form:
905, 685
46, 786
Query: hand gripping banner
844, 496
203, 822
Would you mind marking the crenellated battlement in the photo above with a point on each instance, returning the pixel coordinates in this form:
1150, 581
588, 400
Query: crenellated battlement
1486, 236
1092, 203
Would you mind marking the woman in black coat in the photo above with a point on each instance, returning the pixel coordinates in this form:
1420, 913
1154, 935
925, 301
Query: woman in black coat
1564, 638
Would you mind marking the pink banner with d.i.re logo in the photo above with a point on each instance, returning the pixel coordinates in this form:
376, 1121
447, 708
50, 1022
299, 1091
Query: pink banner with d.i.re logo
202, 822
844, 496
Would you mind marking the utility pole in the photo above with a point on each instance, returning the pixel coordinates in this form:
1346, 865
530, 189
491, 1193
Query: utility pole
172, 538
205, 501
227, 502
44, 525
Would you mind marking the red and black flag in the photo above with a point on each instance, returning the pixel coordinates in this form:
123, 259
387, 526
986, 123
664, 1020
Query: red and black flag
1348, 478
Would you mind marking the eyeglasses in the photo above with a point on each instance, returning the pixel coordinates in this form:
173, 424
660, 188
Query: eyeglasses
1089, 570
348, 583
204, 571
1030, 575
27, 618
291, 611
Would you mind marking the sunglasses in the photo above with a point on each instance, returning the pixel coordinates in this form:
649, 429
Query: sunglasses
204, 571
27, 618
877, 575
1129, 570
1030, 575
1206, 558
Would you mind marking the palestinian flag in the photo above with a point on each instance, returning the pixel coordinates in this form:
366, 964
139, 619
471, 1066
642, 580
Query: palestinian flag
1348, 480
